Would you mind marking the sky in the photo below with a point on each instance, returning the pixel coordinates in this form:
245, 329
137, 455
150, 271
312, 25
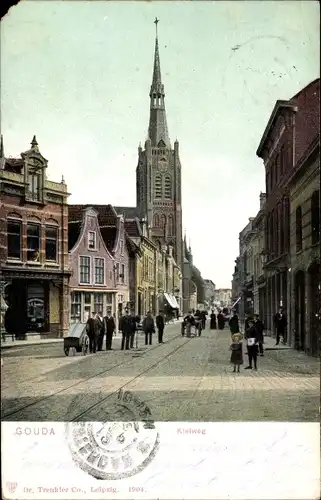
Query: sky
78, 75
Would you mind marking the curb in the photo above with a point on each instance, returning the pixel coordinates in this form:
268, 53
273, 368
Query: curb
26, 344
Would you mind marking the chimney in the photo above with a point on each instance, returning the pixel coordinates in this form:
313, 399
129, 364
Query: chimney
262, 200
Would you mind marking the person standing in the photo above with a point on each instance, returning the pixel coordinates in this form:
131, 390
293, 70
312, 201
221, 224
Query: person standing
125, 326
149, 328
92, 332
237, 351
189, 321
259, 330
133, 319
280, 324
213, 320
198, 322
203, 314
252, 345
220, 321
160, 323
109, 326
234, 324
101, 331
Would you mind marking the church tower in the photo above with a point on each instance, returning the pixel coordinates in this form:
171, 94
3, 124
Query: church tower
158, 173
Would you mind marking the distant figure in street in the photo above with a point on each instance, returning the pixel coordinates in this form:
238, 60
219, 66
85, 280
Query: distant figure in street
280, 324
234, 324
160, 323
213, 320
189, 321
220, 321
109, 327
237, 351
134, 329
148, 327
125, 326
259, 330
248, 318
198, 322
252, 345
203, 314
92, 330
101, 331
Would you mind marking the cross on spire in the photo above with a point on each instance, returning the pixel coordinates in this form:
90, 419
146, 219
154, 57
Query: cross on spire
156, 23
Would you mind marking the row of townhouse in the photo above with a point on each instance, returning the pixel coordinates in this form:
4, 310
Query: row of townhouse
279, 249
60, 262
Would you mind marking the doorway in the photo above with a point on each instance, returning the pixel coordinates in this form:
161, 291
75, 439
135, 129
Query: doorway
300, 311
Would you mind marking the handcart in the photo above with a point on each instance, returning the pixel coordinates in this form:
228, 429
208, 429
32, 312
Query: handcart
77, 340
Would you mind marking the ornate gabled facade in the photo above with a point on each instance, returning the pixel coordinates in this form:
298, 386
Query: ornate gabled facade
34, 268
158, 173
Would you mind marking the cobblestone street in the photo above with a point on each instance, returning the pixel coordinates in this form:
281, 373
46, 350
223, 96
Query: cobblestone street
183, 379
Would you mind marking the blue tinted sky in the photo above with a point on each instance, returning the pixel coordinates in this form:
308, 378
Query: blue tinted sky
78, 74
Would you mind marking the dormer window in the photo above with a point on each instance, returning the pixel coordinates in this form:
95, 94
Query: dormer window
34, 185
91, 240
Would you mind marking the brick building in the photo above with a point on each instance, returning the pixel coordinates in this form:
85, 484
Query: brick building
34, 268
290, 131
93, 280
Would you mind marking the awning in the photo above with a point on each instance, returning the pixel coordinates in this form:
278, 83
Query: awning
175, 302
171, 300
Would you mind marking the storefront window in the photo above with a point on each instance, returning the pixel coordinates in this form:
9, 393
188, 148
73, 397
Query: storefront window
75, 307
33, 242
14, 239
98, 303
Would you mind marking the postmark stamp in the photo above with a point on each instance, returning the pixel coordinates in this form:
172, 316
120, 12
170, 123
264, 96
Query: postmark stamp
121, 446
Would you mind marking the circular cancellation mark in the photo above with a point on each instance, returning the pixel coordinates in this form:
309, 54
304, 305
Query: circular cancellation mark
121, 446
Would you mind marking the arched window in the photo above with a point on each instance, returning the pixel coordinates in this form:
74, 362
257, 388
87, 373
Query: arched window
158, 186
156, 220
168, 187
298, 228
163, 221
170, 225
315, 217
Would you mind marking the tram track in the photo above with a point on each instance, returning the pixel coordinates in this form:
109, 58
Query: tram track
9, 414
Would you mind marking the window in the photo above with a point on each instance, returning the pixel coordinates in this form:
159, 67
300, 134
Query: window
122, 274
117, 272
98, 303
34, 185
99, 271
84, 269
87, 298
168, 187
109, 298
121, 247
156, 220
91, 240
14, 239
163, 221
298, 229
75, 307
282, 158
277, 170
51, 243
33, 242
170, 225
315, 217
158, 186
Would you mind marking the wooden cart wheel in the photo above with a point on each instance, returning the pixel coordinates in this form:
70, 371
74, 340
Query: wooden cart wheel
66, 350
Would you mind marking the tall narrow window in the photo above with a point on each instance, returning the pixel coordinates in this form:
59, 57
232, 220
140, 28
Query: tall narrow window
14, 239
156, 220
315, 217
99, 271
298, 229
158, 186
51, 243
168, 187
98, 303
282, 159
122, 274
117, 272
91, 240
33, 242
34, 185
163, 221
84, 269
170, 225
75, 314
277, 169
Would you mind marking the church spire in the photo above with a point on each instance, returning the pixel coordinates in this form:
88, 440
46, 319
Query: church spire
157, 130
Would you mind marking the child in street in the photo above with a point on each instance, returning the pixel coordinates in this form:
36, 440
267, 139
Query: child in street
237, 351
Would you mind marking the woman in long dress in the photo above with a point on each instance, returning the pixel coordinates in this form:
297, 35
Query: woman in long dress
213, 320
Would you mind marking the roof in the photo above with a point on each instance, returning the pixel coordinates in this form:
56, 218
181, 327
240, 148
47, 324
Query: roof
109, 235
132, 228
13, 165
74, 229
127, 212
278, 105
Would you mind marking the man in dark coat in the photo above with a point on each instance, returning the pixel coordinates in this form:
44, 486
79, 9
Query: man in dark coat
126, 327
280, 324
109, 326
133, 318
220, 321
101, 331
259, 330
160, 323
149, 328
203, 314
213, 320
92, 329
252, 345
234, 324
